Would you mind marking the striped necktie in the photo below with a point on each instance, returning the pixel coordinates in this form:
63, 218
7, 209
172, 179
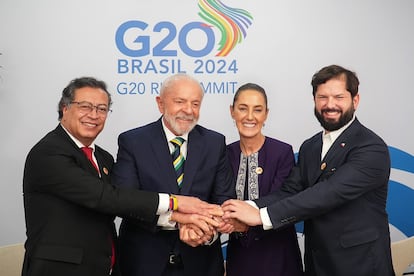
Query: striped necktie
178, 159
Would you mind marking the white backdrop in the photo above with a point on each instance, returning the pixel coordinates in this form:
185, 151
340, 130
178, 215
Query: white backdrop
44, 44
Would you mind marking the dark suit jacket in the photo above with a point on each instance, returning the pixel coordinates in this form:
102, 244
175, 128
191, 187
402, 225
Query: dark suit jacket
342, 200
69, 209
144, 162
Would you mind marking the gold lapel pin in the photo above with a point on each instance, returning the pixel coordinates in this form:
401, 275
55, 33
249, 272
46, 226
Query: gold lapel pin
259, 170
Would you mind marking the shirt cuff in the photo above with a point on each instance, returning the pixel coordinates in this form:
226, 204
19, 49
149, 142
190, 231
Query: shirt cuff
165, 222
264, 215
163, 203
252, 203
213, 239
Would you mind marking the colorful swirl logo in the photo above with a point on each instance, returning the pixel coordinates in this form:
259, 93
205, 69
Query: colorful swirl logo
231, 22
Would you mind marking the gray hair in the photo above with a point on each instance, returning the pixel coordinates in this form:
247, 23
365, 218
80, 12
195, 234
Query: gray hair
170, 81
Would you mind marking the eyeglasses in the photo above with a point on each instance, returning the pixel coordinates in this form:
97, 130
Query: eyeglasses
87, 107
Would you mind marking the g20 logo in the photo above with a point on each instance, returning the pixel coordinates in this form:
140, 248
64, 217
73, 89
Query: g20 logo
143, 45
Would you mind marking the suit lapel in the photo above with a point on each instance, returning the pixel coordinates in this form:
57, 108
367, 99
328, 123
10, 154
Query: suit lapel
104, 167
314, 163
338, 149
193, 160
77, 152
342, 143
159, 146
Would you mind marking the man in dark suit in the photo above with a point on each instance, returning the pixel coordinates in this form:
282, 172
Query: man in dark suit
339, 188
69, 202
144, 162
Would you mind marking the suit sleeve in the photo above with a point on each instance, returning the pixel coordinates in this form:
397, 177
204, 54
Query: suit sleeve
126, 175
292, 185
365, 168
56, 170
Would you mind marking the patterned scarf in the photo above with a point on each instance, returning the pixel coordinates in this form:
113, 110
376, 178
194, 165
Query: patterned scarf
247, 169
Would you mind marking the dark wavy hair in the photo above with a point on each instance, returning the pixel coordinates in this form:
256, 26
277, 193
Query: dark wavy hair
68, 93
336, 72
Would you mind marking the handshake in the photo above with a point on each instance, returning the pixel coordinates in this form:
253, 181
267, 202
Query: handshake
199, 222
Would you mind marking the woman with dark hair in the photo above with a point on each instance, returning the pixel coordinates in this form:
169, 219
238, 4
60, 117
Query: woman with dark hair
259, 164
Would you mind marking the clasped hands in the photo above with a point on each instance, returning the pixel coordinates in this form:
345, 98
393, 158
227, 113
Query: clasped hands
199, 222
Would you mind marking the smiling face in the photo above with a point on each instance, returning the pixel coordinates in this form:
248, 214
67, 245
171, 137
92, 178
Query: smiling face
249, 112
180, 105
85, 126
334, 105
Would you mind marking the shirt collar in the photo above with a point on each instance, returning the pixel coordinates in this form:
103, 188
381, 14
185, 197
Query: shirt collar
332, 135
171, 135
77, 142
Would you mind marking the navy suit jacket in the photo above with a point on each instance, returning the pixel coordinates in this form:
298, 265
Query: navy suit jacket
342, 200
69, 209
144, 162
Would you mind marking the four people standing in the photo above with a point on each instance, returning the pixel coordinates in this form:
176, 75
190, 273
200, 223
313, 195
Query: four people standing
338, 187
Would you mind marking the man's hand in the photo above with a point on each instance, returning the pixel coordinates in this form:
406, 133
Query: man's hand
233, 225
242, 211
224, 227
194, 236
193, 205
205, 223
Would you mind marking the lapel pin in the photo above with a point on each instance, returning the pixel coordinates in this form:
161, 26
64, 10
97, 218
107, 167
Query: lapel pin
323, 166
105, 170
342, 145
259, 170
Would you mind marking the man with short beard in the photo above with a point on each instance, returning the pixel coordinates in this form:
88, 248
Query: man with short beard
145, 162
338, 188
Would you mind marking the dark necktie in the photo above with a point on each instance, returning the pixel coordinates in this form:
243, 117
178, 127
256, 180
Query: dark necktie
178, 159
88, 152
